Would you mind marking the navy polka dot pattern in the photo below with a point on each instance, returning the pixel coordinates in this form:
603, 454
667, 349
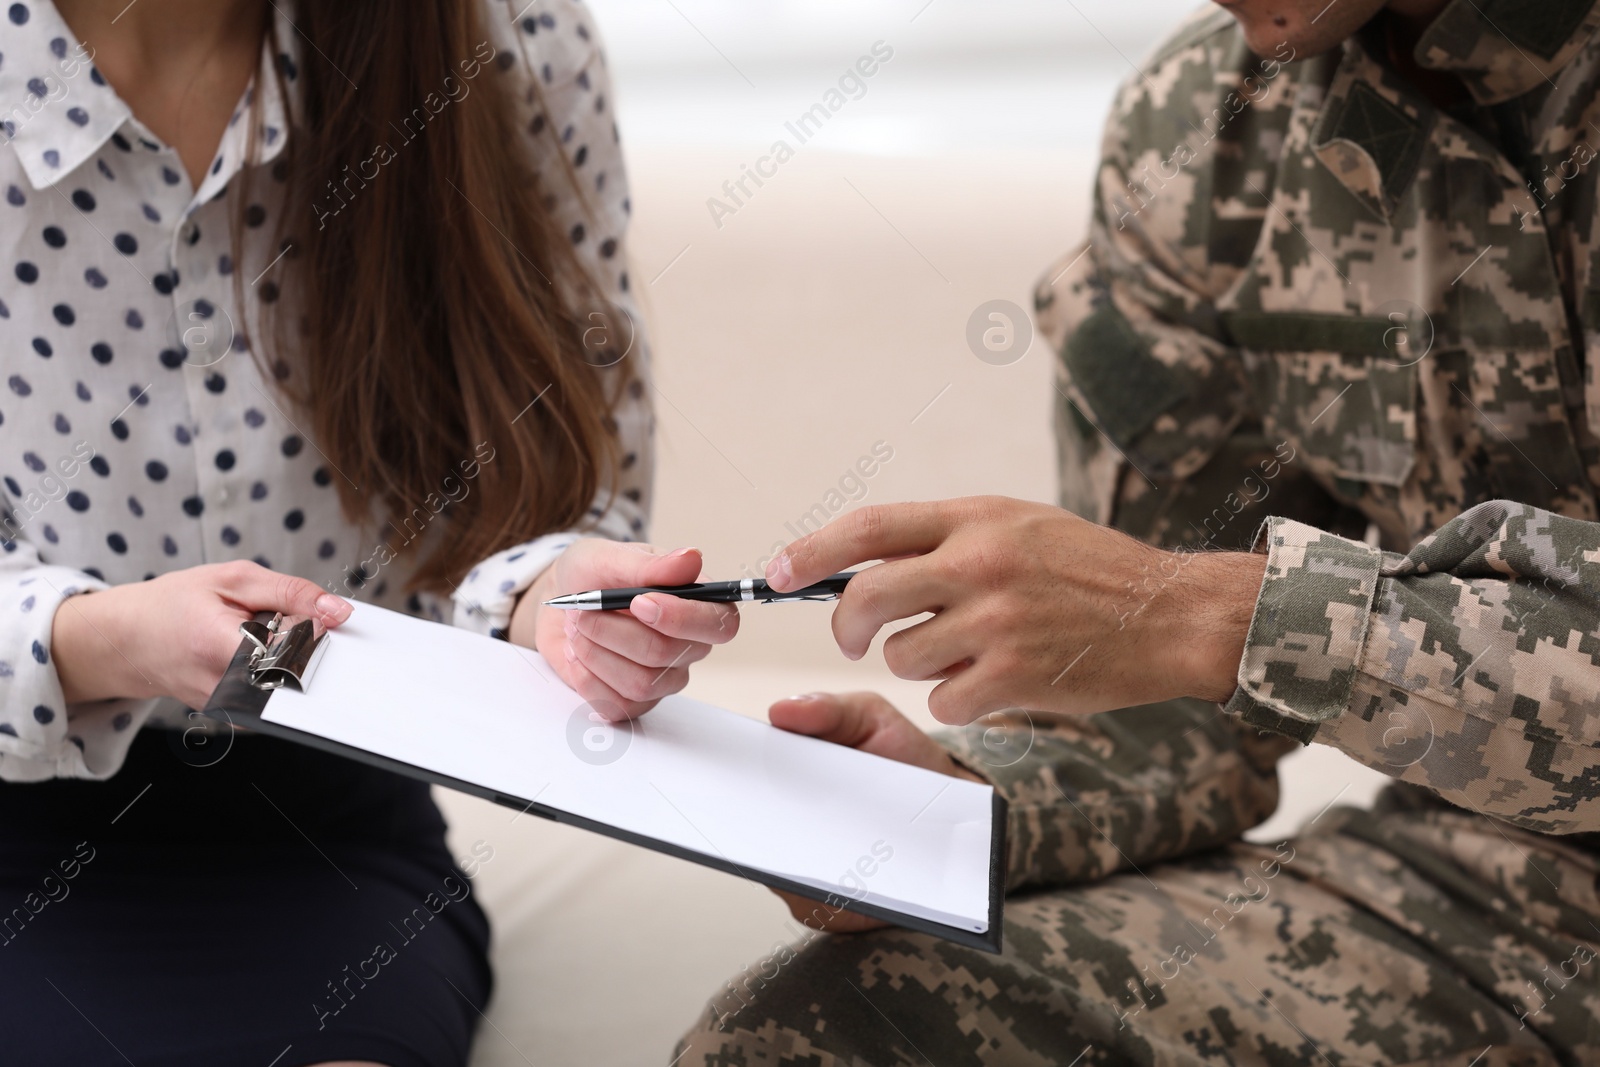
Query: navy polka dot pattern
133, 441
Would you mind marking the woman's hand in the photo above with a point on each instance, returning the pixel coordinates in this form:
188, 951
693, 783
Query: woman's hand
622, 662
870, 723
1032, 606
173, 636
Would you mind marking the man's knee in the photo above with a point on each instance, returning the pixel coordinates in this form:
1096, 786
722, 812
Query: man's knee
883, 998
797, 1004
727, 1041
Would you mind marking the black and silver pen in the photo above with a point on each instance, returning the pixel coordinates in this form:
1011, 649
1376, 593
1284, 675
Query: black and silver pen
748, 589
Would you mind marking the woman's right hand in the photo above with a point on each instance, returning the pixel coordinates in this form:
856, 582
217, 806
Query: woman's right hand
174, 635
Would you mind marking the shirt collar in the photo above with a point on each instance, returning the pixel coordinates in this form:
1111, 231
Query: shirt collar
56, 110
1373, 127
1503, 48
277, 101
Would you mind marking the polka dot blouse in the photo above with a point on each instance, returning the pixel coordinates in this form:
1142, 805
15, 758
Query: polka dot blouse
137, 435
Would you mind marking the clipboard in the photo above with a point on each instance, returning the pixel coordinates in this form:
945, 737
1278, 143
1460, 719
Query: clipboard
272, 687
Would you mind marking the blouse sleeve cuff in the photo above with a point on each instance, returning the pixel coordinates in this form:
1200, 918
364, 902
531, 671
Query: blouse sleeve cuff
485, 599
1306, 637
34, 714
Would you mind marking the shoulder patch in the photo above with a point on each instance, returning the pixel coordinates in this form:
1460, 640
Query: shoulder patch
1112, 366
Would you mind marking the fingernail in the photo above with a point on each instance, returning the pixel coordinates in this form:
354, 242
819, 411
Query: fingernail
572, 653
681, 552
332, 609
779, 571
645, 610
570, 623
808, 696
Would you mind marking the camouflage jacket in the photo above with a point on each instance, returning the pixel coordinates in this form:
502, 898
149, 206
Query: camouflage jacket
1315, 304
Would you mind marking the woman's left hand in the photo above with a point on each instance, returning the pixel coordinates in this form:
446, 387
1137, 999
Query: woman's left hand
622, 662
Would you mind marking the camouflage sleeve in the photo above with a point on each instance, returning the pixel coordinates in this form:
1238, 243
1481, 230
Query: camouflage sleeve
1469, 666
1091, 795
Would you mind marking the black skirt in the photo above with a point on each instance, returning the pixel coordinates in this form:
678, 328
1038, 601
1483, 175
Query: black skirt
274, 907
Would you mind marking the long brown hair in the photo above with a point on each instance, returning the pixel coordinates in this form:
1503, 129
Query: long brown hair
442, 300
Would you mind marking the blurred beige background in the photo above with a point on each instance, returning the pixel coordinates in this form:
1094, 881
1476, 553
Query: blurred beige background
808, 331
826, 315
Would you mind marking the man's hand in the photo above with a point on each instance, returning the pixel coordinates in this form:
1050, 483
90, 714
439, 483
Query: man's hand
870, 723
622, 662
1032, 606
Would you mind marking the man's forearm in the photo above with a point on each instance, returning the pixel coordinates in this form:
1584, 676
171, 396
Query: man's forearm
1207, 618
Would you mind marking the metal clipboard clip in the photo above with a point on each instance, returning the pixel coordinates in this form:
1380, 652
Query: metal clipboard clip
283, 656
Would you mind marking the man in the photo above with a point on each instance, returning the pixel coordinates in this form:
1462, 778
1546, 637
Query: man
1342, 276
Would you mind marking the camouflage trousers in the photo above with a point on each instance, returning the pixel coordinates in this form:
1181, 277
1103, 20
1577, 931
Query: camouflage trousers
1394, 936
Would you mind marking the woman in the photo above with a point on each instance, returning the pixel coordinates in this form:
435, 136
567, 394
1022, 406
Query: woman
301, 301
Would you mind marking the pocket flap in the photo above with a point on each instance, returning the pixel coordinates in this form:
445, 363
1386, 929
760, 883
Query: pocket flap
1333, 385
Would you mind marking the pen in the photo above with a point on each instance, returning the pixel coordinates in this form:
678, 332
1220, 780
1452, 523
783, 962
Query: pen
748, 589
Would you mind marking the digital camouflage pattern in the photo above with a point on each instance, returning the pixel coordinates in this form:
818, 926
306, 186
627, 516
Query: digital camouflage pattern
1317, 306
1240, 955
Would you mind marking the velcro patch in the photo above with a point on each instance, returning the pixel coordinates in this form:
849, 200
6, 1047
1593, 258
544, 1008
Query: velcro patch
1308, 331
1392, 138
1112, 366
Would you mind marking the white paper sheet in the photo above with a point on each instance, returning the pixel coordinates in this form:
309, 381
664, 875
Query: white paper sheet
689, 774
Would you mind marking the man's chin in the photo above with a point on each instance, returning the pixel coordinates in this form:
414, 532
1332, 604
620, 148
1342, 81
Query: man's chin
1269, 40
1298, 28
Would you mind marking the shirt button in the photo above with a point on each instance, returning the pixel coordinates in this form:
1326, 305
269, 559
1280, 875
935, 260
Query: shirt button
222, 496
189, 232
